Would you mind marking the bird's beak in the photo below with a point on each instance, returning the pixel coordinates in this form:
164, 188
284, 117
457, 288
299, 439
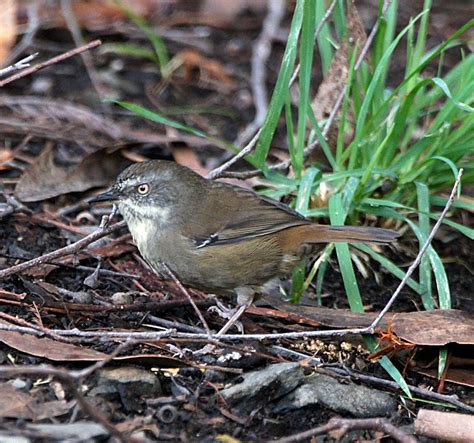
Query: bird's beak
109, 195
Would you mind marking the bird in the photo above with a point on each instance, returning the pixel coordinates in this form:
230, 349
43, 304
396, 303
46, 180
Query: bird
218, 237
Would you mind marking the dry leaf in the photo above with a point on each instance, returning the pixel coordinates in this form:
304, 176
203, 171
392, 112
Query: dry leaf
48, 348
425, 328
21, 405
47, 178
211, 71
227, 11
186, 156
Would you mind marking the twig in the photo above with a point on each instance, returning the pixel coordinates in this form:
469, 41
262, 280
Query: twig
168, 324
51, 61
103, 230
343, 425
219, 171
261, 52
12, 204
170, 333
20, 64
417, 261
188, 296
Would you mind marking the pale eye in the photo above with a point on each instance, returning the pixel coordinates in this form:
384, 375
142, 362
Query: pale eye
143, 189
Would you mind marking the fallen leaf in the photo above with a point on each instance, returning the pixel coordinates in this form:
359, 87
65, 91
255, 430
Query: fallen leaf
227, 11
22, 405
425, 328
48, 348
211, 70
186, 156
48, 177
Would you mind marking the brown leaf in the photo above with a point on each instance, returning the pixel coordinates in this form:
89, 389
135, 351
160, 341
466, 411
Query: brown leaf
210, 70
47, 177
425, 328
435, 328
186, 156
227, 11
17, 404
48, 348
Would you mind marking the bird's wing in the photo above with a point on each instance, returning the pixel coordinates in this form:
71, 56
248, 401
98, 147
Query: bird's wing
254, 216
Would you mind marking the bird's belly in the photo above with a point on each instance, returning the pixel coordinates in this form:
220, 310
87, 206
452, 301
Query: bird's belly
218, 269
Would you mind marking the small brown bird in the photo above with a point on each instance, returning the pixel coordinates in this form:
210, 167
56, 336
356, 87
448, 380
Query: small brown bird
218, 237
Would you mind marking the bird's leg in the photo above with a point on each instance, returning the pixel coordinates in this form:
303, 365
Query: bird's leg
244, 300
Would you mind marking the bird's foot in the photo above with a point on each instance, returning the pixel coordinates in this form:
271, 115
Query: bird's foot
232, 316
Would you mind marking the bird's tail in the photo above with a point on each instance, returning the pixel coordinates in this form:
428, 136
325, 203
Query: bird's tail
350, 234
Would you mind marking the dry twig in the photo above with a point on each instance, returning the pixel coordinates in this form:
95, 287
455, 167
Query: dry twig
103, 230
190, 299
51, 61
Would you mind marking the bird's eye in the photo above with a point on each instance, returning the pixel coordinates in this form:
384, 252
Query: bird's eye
143, 189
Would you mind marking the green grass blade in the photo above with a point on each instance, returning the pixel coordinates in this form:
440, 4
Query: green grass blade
337, 215
424, 223
324, 38
306, 189
290, 133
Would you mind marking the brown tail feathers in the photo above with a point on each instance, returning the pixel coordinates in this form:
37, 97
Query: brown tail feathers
350, 234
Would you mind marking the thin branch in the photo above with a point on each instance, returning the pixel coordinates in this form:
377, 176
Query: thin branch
76, 33
51, 61
32, 10
219, 171
103, 230
188, 296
